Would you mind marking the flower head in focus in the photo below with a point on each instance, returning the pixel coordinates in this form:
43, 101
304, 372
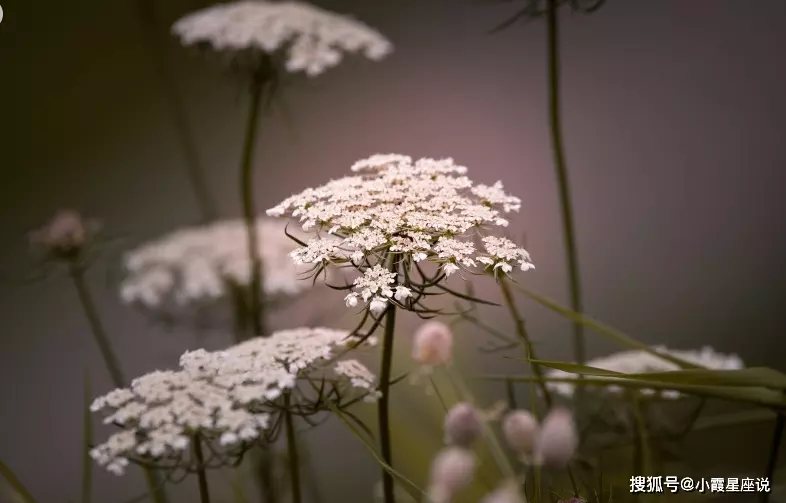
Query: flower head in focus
162, 412
411, 212
640, 362
65, 236
202, 264
308, 39
262, 369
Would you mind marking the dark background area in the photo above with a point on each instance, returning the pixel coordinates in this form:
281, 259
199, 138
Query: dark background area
675, 118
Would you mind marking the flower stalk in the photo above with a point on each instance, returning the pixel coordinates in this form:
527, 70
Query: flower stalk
566, 205
388, 488
292, 450
204, 493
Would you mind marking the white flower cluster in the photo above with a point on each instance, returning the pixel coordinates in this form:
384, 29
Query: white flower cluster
161, 412
219, 396
422, 210
196, 264
640, 362
311, 38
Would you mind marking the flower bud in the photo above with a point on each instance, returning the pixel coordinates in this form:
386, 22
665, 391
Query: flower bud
463, 425
520, 429
452, 470
558, 439
433, 344
66, 233
507, 493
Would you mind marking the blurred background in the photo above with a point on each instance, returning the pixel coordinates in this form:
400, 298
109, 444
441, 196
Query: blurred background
674, 118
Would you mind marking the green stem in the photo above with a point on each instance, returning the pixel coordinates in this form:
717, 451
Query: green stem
77, 272
204, 494
558, 149
247, 197
294, 460
643, 457
521, 331
96, 326
777, 438
146, 12
388, 489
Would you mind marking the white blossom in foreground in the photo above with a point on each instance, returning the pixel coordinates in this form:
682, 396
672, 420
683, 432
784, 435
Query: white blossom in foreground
639, 362
308, 38
160, 414
262, 369
424, 210
198, 264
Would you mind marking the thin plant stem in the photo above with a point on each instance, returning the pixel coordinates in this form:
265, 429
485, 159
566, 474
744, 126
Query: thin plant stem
385, 444
772, 462
521, 332
146, 12
566, 205
294, 459
249, 213
77, 273
96, 326
204, 494
643, 462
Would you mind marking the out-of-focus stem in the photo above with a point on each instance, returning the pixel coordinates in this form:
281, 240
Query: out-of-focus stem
146, 12
777, 438
292, 450
558, 149
521, 332
204, 494
388, 488
77, 273
247, 197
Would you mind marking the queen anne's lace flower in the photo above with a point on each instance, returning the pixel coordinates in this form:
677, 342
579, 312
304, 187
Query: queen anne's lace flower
222, 397
311, 39
162, 411
197, 264
263, 368
424, 210
639, 362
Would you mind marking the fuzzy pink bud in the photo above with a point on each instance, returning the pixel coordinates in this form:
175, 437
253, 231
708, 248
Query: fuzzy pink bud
520, 428
451, 471
432, 344
463, 425
558, 439
64, 235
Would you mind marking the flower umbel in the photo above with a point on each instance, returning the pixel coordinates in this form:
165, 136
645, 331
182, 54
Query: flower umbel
419, 211
199, 264
308, 38
640, 362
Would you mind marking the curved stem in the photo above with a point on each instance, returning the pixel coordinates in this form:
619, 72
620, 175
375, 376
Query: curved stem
146, 12
777, 438
388, 489
558, 149
77, 273
521, 331
249, 216
292, 450
204, 494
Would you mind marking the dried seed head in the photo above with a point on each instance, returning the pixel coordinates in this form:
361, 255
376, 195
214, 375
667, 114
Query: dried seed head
463, 425
433, 344
507, 493
452, 470
558, 439
520, 429
64, 235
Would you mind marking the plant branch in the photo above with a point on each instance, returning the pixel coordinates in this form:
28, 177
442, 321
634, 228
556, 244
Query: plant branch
292, 450
388, 488
204, 494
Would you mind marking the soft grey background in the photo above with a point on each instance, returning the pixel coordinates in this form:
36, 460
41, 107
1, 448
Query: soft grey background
674, 119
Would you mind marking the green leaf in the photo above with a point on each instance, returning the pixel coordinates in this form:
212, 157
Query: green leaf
87, 440
17, 488
601, 328
599, 377
753, 376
